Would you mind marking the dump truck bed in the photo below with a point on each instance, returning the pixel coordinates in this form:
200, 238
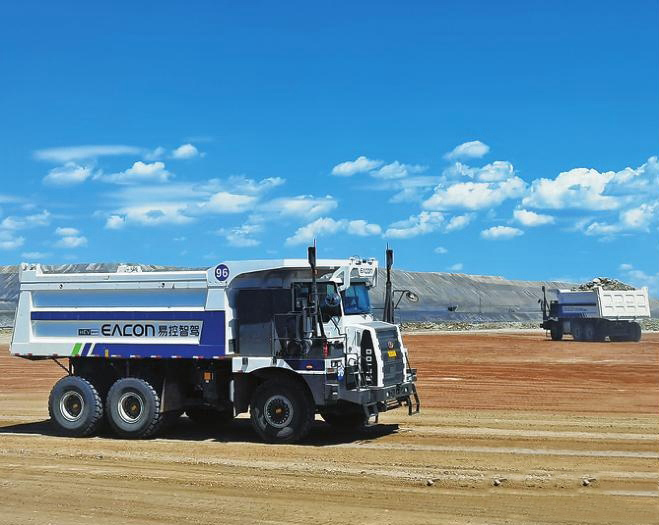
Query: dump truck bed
607, 304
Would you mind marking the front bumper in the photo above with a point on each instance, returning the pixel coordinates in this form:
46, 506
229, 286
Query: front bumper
377, 399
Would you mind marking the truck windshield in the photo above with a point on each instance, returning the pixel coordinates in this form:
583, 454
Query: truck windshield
355, 300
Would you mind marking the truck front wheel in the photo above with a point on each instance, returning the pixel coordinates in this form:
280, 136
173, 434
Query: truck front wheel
556, 331
133, 408
75, 407
281, 412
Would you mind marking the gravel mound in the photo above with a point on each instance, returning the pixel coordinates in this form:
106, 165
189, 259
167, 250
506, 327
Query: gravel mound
606, 283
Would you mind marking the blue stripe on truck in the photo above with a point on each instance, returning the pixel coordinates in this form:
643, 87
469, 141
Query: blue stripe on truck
211, 342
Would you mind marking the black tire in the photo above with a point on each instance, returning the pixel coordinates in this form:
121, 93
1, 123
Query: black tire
348, 420
577, 331
75, 407
601, 331
281, 412
635, 332
133, 409
589, 332
207, 416
556, 331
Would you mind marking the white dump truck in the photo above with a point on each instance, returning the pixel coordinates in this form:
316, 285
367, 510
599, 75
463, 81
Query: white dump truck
594, 315
282, 339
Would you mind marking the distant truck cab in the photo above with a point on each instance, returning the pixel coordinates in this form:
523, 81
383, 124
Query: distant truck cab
594, 315
283, 339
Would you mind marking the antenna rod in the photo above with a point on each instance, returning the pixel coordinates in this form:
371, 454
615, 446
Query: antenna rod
388, 314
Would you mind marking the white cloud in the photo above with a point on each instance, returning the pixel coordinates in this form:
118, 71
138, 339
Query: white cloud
329, 226
70, 238
359, 165
225, 202
632, 219
410, 189
643, 180
149, 214
500, 232
9, 242
321, 226
27, 221
580, 188
139, 172
397, 170
363, 228
474, 195
182, 203
440, 250
115, 222
472, 149
66, 231
155, 154
35, 255
640, 278
67, 175
72, 241
185, 151
241, 236
71, 153
305, 206
457, 267
425, 222
458, 222
531, 218
241, 184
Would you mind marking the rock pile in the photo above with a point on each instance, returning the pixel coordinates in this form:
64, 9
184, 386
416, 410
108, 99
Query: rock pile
460, 326
606, 283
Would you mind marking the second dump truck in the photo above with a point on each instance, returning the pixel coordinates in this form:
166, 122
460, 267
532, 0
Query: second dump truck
282, 339
594, 315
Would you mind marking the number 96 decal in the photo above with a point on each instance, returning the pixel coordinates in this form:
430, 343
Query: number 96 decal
221, 272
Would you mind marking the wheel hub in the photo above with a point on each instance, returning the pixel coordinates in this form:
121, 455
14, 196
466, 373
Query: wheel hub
130, 407
71, 405
278, 411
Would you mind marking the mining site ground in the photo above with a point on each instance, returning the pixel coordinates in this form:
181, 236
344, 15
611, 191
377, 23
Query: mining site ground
514, 428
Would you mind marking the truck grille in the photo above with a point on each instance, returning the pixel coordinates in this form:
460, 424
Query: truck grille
392, 357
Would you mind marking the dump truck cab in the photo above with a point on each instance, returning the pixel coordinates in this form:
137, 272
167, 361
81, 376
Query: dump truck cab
349, 360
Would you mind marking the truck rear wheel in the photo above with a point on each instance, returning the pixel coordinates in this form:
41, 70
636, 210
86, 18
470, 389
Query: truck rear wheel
133, 408
577, 331
556, 331
281, 412
589, 331
635, 332
75, 407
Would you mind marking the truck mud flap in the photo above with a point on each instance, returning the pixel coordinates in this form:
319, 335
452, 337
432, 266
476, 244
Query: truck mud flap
411, 401
413, 407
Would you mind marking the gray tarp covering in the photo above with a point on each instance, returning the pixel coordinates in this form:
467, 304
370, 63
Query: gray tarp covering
477, 297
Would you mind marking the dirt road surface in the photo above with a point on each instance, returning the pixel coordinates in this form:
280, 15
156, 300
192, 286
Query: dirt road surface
514, 429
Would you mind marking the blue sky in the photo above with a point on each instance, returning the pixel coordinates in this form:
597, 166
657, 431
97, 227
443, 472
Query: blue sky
515, 139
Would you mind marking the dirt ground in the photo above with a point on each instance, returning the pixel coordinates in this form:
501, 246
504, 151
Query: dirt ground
511, 426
